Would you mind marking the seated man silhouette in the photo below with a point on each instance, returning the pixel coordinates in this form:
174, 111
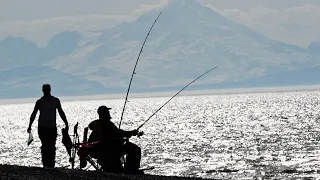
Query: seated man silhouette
112, 144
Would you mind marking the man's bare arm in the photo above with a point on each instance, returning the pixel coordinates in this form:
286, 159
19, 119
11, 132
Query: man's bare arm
62, 114
33, 115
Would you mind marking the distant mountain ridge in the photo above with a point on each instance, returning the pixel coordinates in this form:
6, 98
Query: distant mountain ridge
22, 82
302, 77
16, 51
187, 40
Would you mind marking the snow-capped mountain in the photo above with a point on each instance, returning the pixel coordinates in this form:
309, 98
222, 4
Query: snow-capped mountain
187, 40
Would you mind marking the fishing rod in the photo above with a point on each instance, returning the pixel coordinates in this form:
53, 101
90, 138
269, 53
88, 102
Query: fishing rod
175, 96
126, 100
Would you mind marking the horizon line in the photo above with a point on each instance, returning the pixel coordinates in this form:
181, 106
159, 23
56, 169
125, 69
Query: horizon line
168, 94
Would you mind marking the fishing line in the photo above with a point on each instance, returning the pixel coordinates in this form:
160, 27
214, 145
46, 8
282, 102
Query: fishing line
133, 73
175, 96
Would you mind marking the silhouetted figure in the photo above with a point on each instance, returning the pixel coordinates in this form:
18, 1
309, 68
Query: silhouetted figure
112, 144
47, 129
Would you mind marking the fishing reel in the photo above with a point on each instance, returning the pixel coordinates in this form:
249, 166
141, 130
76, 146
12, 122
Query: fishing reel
140, 133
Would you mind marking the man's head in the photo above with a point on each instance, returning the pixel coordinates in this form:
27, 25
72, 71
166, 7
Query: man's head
104, 113
46, 89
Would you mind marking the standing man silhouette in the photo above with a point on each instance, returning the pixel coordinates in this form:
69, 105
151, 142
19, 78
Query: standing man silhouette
47, 127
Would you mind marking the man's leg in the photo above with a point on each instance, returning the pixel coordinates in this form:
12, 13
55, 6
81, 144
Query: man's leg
110, 159
44, 144
52, 147
133, 152
48, 141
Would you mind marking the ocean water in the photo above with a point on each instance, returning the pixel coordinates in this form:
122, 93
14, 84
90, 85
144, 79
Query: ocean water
253, 135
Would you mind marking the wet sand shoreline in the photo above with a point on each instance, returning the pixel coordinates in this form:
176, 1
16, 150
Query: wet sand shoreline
22, 172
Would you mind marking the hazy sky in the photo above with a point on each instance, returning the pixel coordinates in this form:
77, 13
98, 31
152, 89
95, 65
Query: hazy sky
39, 9
272, 17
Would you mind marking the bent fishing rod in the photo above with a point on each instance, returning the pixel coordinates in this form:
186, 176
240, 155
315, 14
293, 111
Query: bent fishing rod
134, 69
175, 96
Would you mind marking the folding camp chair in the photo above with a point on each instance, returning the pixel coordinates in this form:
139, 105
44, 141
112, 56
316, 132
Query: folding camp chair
78, 148
85, 151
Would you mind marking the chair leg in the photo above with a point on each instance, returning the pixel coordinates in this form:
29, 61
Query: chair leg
93, 163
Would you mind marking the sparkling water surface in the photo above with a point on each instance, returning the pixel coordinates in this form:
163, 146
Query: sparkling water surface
256, 135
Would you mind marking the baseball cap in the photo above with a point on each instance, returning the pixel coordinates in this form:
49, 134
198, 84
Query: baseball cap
102, 109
